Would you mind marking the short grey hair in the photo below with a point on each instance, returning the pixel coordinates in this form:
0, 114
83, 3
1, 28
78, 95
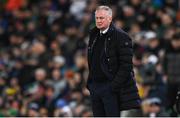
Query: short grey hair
106, 8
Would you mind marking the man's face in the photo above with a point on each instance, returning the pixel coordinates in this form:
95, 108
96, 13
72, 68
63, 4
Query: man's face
103, 19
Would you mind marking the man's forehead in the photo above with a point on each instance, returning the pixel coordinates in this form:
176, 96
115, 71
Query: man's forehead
101, 12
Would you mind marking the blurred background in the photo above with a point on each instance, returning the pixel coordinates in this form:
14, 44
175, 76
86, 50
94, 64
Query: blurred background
43, 64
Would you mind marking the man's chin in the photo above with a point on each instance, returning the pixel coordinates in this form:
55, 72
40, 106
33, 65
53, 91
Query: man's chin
100, 27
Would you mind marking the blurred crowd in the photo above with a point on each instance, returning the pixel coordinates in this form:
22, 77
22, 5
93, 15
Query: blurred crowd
43, 64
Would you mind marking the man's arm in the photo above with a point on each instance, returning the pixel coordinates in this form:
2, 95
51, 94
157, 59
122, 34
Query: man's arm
125, 65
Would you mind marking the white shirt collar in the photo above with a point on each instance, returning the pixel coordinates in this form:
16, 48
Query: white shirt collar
104, 31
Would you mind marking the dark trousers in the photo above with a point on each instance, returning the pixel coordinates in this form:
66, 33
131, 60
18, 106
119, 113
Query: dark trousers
104, 101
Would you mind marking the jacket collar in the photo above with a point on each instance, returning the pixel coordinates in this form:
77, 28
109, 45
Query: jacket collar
104, 31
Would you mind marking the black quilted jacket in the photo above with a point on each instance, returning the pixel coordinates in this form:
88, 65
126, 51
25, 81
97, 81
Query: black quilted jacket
117, 65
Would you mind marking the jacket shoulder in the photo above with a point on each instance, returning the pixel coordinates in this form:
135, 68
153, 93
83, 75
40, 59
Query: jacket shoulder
121, 32
122, 35
93, 30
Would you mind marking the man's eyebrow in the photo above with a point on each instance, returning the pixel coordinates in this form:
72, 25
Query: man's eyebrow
100, 17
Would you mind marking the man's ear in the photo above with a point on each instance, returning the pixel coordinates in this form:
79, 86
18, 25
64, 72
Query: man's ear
110, 19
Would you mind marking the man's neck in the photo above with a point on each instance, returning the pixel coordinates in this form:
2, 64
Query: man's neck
104, 31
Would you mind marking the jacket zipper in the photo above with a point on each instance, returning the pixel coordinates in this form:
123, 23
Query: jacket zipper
105, 45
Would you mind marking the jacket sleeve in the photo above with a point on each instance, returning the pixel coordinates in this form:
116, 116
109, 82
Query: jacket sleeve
124, 54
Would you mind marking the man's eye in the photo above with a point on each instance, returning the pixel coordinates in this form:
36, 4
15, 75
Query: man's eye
100, 18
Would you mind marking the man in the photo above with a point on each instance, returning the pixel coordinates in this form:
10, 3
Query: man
110, 82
